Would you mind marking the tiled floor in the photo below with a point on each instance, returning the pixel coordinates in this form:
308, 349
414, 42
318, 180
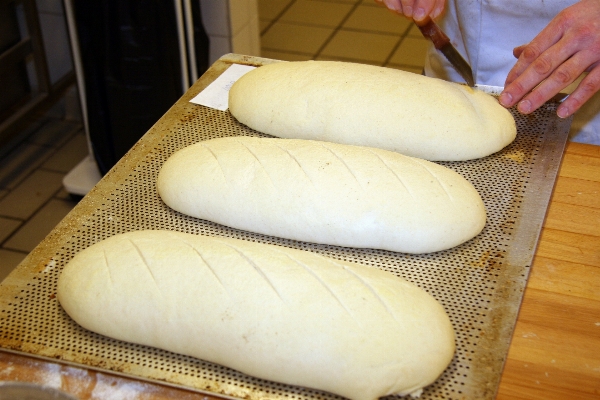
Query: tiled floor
32, 199
347, 30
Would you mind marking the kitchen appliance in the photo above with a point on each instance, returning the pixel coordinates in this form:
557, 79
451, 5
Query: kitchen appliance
133, 60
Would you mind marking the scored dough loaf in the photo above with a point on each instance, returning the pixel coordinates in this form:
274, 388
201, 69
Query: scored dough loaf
323, 192
280, 314
372, 106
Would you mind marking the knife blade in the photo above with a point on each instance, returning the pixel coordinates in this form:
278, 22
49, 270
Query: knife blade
432, 31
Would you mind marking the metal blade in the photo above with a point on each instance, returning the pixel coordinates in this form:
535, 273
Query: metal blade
459, 63
430, 30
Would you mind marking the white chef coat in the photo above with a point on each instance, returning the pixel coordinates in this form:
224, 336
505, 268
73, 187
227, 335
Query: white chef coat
485, 32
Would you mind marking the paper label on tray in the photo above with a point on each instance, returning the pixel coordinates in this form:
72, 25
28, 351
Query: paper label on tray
216, 95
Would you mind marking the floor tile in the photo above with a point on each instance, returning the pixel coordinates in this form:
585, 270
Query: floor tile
295, 38
371, 47
54, 133
8, 261
317, 13
7, 227
263, 24
69, 155
62, 194
281, 55
377, 19
271, 9
411, 52
345, 59
24, 200
35, 123
20, 162
39, 226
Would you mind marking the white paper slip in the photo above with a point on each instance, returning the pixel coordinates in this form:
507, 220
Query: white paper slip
216, 94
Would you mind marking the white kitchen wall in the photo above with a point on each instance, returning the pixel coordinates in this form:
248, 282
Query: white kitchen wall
232, 27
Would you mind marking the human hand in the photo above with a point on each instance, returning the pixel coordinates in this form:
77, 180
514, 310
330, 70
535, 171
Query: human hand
415, 9
557, 56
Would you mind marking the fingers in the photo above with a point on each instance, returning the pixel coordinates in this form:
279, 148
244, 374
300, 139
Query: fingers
567, 47
428, 8
438, 9
584, 91
415, 9
393, 5
408, 7
548, 72
517, 51
530, 54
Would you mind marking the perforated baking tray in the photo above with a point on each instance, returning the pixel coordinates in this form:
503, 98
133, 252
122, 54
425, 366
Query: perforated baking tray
480, 283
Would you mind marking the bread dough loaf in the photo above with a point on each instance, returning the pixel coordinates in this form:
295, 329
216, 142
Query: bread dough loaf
372, 106
323, 192
280, 314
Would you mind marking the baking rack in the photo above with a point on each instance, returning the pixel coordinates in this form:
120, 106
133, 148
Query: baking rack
480, 283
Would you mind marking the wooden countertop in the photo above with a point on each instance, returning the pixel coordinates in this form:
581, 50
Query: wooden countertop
555, 349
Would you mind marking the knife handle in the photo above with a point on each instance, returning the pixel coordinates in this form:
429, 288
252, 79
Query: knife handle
430, 30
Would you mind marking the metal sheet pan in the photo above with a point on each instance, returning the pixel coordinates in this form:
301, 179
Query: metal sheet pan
480, 283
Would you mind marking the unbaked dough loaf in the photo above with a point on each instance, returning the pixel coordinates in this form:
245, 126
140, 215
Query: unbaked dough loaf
372, 106
276, 313
323, 192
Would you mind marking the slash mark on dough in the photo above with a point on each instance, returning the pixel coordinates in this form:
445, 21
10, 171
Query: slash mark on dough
146, 264
112, 281
377, 296
258, 159
436, 178
345, 165
218, 162
208, 266
256, 268
395, 174
323, 283
297, 162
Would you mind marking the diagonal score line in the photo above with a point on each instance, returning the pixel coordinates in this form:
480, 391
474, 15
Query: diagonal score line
297, 162
366, 284
110, 277
256, 268
146, 264
435, 177
323, 283
371, 289
260, 162
217, 160
345, 165
208, 266
395, 174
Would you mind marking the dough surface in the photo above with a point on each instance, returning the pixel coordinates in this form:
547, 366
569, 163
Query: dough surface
280, 314
372, 106
323, 192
